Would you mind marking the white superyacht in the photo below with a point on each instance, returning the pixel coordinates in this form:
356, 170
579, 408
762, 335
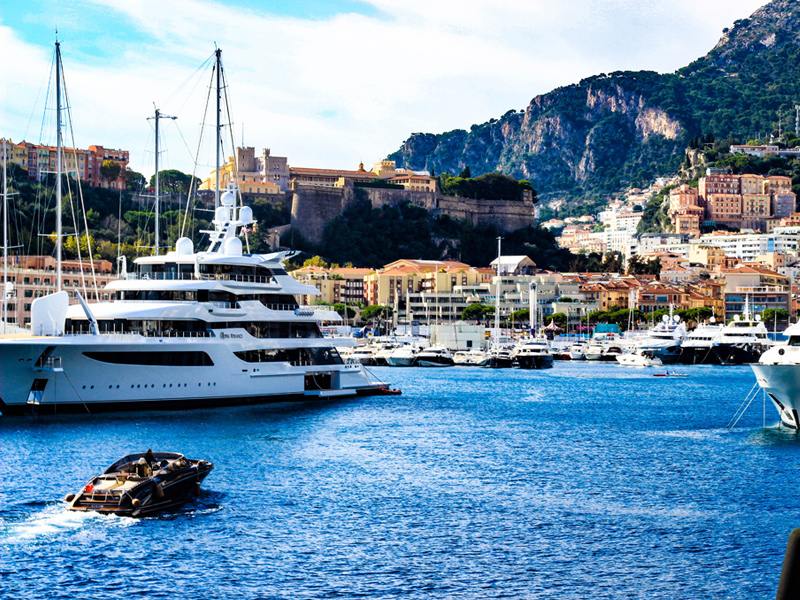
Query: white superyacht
188, 329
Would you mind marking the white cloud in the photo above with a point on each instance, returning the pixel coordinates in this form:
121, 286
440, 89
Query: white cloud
331, 92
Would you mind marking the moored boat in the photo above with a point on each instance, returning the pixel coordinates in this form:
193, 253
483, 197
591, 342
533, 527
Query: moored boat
778, 374
639, 358
535, 353
435, 356
141, 484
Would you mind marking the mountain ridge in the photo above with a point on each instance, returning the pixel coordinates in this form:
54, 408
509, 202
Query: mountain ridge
614, 130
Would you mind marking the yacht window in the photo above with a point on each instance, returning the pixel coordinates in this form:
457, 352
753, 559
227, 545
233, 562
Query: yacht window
294, 356
794, 340
154, 359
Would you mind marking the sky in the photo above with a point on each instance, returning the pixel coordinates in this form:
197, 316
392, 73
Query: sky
327, 84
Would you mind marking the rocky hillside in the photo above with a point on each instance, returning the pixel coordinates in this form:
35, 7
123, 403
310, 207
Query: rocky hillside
623, 128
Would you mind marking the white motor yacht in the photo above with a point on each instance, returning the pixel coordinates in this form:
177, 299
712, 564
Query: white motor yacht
468, 358
577, 352
403, 356
743, 340
778, 373
639, 358
435, 356
697, 348
534, 353
189, 328
664, 339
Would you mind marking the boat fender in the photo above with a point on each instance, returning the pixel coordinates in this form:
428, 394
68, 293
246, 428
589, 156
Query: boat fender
136, 502
781, 351
159, 491
69, 497
197, 488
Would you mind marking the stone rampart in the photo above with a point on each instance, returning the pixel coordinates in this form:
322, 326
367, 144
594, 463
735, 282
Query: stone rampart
313, 207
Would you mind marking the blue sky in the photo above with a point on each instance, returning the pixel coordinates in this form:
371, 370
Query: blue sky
327, 84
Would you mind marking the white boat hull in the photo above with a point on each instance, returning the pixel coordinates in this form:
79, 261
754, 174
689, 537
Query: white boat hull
73, 382
782, 385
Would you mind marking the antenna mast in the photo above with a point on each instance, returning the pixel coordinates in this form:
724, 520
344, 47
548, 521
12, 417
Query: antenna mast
157, 117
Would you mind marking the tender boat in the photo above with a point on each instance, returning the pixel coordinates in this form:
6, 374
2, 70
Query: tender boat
533, 354
639, 358
141, 484
435, 356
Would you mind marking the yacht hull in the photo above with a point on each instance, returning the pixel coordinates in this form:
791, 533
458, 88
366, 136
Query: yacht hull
782, 385
736, 354
534, 362
70, 381
698, 356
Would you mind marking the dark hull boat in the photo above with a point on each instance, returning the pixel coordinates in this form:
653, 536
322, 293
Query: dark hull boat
530, 361
138, 485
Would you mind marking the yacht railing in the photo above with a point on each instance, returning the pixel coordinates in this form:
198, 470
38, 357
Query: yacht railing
201, 277
157, 334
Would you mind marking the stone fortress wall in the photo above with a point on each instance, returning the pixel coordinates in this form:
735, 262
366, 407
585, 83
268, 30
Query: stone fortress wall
314, 206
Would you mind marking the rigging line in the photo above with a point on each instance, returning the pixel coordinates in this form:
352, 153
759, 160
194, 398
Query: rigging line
197, 157
42, 86
193, 75
47, 96
199, 79
235, 158
80, 194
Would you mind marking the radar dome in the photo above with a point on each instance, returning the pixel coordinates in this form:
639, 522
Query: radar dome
184, 246
221, 215
758, 317
665, 318
227, 199
246, 214
233, 247
713, 319
676, 318
737, 317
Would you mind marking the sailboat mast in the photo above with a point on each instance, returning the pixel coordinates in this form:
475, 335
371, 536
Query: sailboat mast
497, 300
58, 166
218, 140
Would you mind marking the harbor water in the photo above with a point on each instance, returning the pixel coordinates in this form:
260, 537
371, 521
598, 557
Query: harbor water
583, 481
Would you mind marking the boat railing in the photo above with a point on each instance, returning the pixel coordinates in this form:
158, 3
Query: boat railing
157, 334
173, 276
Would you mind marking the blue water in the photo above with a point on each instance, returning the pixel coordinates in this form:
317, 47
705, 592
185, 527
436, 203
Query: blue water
583, 481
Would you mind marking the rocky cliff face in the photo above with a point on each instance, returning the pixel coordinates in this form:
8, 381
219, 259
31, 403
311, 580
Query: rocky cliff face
611, 131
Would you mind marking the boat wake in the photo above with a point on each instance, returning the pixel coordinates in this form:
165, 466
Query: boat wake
55, 521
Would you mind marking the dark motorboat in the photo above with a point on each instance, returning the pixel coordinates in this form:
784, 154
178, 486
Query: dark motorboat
533, 354
140, 484
497, 358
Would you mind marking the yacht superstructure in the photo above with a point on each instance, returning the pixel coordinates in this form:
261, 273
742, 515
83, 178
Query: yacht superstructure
187, 329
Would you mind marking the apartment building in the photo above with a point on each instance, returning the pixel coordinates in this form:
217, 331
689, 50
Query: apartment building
35, 276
